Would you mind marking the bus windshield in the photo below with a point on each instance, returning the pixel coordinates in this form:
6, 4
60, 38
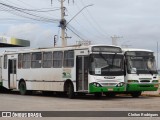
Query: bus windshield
106, 64
141, 64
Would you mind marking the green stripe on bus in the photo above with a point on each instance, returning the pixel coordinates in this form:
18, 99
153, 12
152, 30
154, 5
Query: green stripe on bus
94, 89
142, 87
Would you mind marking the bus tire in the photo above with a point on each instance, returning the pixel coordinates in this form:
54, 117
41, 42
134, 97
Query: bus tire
136, 94
23, 89
70, 91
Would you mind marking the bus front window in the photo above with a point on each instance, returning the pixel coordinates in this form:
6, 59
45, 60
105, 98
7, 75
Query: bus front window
143, 64
106, 64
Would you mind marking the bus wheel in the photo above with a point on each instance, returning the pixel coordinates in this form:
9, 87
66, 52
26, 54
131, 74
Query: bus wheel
70, 91
23, 89
136, 94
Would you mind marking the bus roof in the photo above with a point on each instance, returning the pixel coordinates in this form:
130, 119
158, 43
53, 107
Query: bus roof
134, 49
76, 47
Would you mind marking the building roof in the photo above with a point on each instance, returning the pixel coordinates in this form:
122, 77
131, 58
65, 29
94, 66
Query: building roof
13, 42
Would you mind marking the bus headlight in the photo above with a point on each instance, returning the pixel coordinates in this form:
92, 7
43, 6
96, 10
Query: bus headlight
120, 84
96, 84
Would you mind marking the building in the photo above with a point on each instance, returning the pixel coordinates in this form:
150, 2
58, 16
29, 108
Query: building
13, 42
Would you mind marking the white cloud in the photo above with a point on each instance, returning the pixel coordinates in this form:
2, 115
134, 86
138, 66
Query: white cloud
38, 36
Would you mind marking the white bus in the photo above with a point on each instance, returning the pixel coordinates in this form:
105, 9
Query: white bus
0, 72
141, 72
92, 69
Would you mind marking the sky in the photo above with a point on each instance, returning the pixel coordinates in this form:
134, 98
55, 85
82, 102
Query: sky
135, 22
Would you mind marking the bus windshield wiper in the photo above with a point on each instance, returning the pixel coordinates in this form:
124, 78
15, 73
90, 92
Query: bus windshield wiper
113, 58
103, 57
149, 70
112, 62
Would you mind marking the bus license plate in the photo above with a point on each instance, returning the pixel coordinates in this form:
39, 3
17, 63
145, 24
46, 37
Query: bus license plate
110, 89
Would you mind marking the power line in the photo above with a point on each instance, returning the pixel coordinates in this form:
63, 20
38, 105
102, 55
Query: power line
36, 10
100, 30
90, 25
86, 19
40, 10
77, 22
30, 15
78, 13
76, 34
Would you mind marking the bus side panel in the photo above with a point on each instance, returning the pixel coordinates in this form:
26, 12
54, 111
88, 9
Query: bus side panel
42, 79
0, 71
5, 78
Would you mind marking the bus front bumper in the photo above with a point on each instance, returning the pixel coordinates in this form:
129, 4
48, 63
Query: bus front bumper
94, 89
142, 87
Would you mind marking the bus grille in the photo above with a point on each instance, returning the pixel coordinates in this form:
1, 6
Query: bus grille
108, 84
145, 81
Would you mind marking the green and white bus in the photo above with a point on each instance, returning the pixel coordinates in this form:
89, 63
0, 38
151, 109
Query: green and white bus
93, 69
0, 72
141, 72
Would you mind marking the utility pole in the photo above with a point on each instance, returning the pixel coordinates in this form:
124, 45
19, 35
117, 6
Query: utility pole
114, 39
63, 24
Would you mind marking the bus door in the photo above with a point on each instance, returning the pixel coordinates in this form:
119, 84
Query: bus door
82, 73
12, 73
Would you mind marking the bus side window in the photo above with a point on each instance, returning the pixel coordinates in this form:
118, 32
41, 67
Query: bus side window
36, 60
20, 61
68, 59
47, 59
26, 60
5, 62
57, 59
